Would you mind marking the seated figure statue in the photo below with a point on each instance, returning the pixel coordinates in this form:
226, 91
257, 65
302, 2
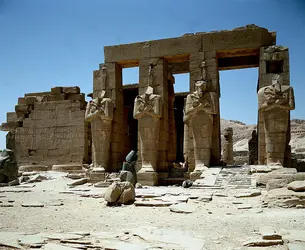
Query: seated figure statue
99, 112
275, 101
200, 107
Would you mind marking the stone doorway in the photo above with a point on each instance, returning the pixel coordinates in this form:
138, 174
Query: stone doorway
131, 125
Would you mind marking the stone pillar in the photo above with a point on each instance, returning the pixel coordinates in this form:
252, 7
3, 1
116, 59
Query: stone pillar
253, 149
99, 112
147, 110
227, 154
109, 79
153, 72
274, 60
275, 102
200, 107
203, 66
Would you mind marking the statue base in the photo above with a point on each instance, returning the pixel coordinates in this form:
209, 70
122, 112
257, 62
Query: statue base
147, 178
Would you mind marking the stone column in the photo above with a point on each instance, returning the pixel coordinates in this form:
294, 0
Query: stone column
275, 102
274, 60
147, 109
200, 107
253, 149
109, 79
227, 154
203, 66
99, 112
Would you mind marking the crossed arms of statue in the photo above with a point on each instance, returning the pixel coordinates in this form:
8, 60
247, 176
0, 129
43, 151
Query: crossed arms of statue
102, 109
150, 107
194, 104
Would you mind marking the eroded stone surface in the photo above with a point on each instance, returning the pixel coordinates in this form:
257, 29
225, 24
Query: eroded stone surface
298, 186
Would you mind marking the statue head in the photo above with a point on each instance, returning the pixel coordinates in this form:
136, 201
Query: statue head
277, 82
149, 91
201, 87
102, 95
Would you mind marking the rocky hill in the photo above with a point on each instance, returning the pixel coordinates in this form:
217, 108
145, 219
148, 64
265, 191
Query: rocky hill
242, 133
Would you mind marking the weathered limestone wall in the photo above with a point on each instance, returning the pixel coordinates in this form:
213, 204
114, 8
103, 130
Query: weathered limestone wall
50, 128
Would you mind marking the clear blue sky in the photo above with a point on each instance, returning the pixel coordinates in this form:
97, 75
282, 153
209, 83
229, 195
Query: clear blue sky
60, 42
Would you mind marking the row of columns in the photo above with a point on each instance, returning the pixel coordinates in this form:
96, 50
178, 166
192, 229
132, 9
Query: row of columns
155, 113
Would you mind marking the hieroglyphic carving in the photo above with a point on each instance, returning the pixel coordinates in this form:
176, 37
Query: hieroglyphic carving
147, 110
200, 107
99, 112
275, 101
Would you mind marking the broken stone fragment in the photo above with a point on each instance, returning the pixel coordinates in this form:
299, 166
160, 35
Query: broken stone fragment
269, 233
297, 186
32, 204
120, 193
262, 243
182, 208
71, 90
276, 183
78, 182
251, 193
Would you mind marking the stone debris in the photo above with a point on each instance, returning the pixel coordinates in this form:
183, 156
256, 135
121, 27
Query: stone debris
32, 204
269, 233
79, 242
6, 205
283, 197
9, 239
36, 178
250, 193
297, 186
76, 176
187, 183
153, 203
33, 168
78, 182
120, 193
205, 197
244, 206
138, 185
276, 183
262, 243
32, 241
260, 169
61, 236
182, 208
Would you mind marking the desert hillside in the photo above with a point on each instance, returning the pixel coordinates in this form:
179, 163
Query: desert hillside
242, 133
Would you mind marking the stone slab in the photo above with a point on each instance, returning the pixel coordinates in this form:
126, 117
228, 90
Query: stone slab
269, 233
33, 168
261, 242
154, 203
297, 186
182, 208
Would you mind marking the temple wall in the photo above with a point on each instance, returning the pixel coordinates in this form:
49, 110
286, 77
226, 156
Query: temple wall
50, 128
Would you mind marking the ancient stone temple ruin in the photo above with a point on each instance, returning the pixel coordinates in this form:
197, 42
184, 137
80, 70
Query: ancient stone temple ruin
165, 127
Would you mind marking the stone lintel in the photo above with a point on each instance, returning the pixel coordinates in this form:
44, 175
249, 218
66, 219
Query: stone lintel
128, 55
